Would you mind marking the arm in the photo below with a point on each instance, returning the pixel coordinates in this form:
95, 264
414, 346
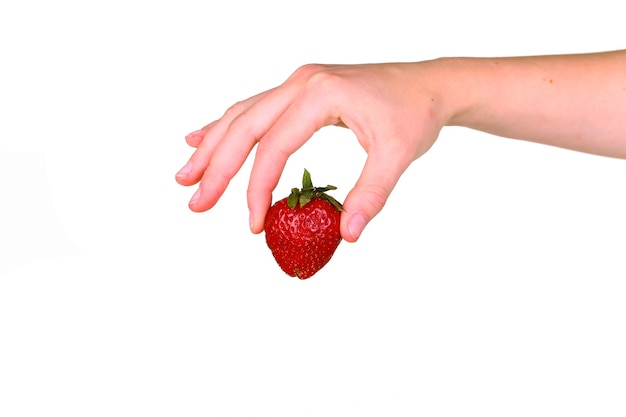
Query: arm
570, 101
397, 110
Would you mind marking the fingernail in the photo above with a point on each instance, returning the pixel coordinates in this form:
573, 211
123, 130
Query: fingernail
192, 134
184, 171
251, 221
195, 198
356, 225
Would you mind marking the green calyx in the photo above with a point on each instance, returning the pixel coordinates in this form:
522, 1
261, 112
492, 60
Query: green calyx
308, 191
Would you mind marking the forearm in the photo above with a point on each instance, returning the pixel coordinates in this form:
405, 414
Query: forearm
571, 101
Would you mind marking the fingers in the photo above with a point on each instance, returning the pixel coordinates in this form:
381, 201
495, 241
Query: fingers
194, 139
208, 138
302, 118
206, 142
227, 144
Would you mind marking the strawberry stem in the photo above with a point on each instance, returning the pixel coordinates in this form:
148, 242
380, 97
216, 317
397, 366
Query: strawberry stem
304, 195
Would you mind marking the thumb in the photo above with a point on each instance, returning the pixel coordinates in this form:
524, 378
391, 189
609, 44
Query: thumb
369, 195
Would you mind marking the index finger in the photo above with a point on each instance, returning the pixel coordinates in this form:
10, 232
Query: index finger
304, 116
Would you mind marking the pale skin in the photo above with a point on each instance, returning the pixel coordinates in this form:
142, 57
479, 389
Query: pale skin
397, 110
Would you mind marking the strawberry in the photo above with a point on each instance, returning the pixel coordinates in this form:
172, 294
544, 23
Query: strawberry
302, 230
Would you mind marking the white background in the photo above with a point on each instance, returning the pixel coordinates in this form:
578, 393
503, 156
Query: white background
491, 284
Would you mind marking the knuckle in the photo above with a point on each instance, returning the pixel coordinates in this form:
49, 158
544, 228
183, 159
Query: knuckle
375, 197
324, 82
235, 110
268, 149
242, 126
306, 71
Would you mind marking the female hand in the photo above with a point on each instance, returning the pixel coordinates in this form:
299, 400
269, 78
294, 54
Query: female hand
395, 116
397, 111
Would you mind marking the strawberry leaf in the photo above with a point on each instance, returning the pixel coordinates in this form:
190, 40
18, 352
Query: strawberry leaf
293, 198
307, 184
336, 204
305, 198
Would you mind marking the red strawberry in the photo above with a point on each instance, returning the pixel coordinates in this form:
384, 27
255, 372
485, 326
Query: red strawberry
302, 230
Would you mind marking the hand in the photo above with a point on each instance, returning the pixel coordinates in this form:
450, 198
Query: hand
396, 112
394, 116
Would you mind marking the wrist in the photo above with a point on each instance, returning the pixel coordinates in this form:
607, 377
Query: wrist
454, 85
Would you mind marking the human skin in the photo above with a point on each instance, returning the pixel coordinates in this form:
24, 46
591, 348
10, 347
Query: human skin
397, 110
